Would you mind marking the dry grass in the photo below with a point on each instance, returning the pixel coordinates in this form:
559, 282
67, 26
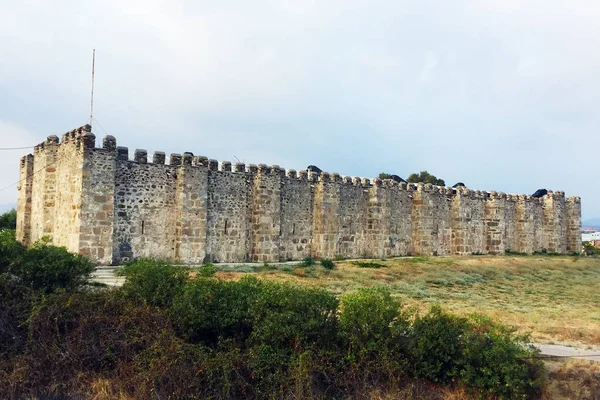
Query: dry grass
573, 379
554, 298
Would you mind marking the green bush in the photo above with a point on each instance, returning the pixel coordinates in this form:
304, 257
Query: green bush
11, 251
367, 264
590, 250
327, 263
209, 310
49, 268
153, 282
8, 220
307, 262
15, 308
207, 270
496, 360
376, 333
293, 317
339, 257
437, 349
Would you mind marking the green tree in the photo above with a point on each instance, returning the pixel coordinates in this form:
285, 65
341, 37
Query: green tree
425, 177
384, 176
8, 220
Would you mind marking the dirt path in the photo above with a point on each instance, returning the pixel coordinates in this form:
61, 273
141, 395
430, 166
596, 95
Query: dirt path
561, 351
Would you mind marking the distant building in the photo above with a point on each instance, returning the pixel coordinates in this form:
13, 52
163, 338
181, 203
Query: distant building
590, 237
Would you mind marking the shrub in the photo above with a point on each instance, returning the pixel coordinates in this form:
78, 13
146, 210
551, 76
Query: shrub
436, 348
339, 257
8, 220
367, 264
497, 361
207, 270
293, 317
209, 310
153, 282
15, 306
376, 332
11, 251
308, 262
327, 263
49, 268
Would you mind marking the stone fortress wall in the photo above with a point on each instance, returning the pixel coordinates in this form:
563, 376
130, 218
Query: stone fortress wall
98, 202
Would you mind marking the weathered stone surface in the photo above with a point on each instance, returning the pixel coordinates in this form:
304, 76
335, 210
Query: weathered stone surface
97, 202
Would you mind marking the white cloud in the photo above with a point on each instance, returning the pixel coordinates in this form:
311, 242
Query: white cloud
442, 86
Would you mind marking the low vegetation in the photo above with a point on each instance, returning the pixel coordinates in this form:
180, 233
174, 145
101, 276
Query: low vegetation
553, 297
8, 220
165, 335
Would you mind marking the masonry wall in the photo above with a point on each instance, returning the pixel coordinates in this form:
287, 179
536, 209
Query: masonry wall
113, 206
24, 204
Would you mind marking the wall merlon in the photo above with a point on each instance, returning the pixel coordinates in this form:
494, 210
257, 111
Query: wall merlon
303, 175
252, 168
239, 167
335, 177
109, 143
324, 176
140, 156
122, 153
187, 158
226, 166
52, 139
377, 182
213, 165
200, 161
291, 173
158, 157
277, 170
365, 182
175, 159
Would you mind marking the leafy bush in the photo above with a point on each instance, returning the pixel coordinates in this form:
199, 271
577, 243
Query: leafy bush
327, 263
209, 310
496, 360
339, 257
308, 262
293, 317
11, 251
153, 282
8, 220
437, 348
590, 250
207, 270
49, 268
376, 332
367, 264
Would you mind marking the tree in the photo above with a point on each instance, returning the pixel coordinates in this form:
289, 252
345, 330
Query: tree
8, 220
426, 177
384, 176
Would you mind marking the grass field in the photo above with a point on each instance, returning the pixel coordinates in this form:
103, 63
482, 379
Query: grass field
555, 298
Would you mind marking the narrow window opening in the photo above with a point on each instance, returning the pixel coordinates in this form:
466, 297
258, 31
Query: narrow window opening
226, 226
142, 227
294, 229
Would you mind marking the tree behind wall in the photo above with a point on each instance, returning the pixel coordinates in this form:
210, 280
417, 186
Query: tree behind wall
425, 177
8, 220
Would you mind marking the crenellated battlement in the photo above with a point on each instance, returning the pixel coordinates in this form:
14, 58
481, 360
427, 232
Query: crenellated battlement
113, 206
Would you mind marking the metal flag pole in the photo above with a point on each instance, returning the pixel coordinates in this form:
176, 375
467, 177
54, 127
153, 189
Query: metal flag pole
92, 99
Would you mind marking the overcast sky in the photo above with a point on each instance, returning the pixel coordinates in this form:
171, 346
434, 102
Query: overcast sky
501, 94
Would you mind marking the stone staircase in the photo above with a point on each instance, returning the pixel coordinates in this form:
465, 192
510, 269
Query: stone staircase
106, 275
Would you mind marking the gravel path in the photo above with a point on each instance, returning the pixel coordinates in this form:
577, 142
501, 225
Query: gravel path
561, 351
